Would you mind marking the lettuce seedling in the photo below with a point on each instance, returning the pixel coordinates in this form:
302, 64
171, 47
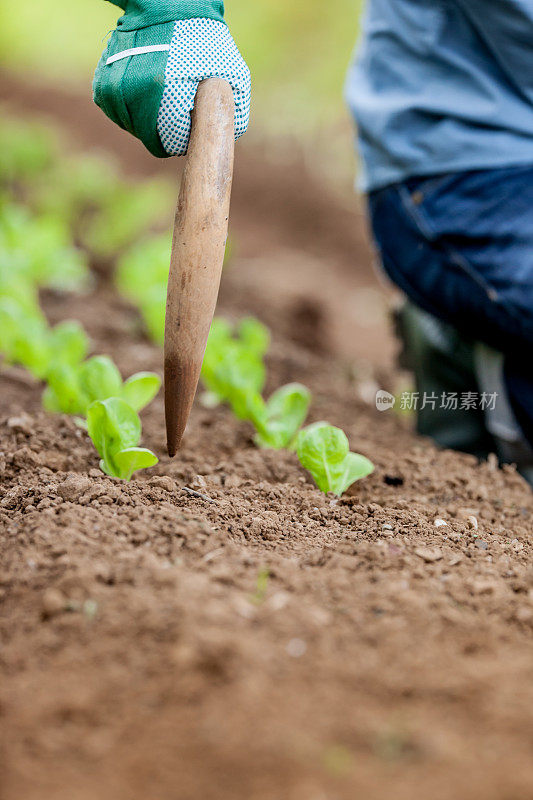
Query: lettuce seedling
20, 290
233, 369
253, 336
325, 452
115, 429
139, 390
26, 339
236, 378
14, 318
76, 189
100, 379
220, 334
125, 214
142, 277
281, 417
27, 150
40, 248
234, 372
30, 347
219, 340
62, 394
72, 389
68, 343
144, 266
153, 310
30, 342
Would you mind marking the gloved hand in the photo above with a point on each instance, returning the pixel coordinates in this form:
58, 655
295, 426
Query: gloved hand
147, 78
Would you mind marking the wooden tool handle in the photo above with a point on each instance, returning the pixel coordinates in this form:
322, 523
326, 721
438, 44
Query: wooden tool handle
200, 233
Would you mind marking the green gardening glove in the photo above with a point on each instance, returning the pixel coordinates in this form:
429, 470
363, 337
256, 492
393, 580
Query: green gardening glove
147, 78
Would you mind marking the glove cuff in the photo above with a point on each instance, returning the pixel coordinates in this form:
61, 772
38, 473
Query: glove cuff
143, 13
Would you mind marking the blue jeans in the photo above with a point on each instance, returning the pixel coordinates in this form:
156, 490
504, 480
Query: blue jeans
460, 246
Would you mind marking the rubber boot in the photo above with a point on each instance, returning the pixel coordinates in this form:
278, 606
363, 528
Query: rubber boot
512, 445
443, 362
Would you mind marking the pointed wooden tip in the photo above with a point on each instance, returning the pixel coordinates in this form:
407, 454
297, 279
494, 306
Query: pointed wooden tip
181, 381
172, 447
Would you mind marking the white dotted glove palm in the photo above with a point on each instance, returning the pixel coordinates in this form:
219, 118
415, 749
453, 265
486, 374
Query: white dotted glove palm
200, 49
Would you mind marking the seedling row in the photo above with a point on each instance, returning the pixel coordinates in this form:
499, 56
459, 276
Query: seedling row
60, 221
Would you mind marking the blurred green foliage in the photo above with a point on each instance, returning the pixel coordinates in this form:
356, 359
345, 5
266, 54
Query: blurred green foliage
78, 196
298, 52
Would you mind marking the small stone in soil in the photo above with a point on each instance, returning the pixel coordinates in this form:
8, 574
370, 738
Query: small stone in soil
74, 487
483, 587
162, 482
53, 603
429, 554
22, 423
523, 614
24, 457
90, 608
296, 648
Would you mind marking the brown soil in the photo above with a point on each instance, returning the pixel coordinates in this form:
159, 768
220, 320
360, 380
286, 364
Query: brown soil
143, 657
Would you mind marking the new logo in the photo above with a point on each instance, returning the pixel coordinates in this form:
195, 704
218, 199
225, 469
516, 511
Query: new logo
384, 400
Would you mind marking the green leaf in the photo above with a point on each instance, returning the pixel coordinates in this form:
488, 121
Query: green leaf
143, 267
76, 189
219, 333
229, 373
31, 347
113, 426
324, 450
236, 372
126, 212
12, 320
64, 393
42, 244
140, 389
100, 378
131, 459
233, 370
356, 467
248, 404
18, 289
50, 401
24, 336
69, 343
254, 336
286, 410
27, 150
153, 309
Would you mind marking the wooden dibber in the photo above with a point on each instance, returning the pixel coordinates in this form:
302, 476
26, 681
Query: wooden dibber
200, 233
